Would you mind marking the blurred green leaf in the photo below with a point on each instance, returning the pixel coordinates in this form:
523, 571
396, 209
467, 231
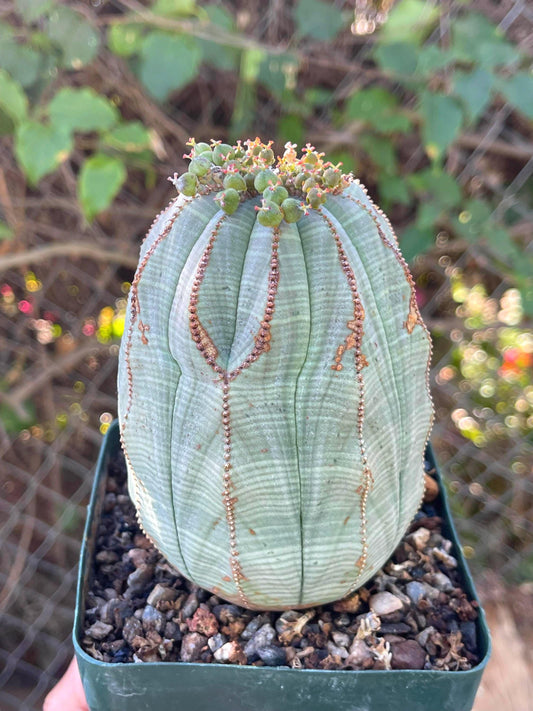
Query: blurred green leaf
218, 55
40, 148
442, 119
6, 233
131, 137
317, 96
174, 8
74, 35
21, 61
379, 108
344, 158
473, 88
12, 422
291, 128
428, 215
433, 183
82, 110
168, 62
518, 90
398, 58
125, 40
380, 151
278, 73
13, 101
415, 241
409, 21
476, 39
317, 19
471, 222
32, 10
393, 190
431, 58
100, 179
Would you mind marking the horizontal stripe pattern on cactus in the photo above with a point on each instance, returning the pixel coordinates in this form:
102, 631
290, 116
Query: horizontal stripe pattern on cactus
273, 380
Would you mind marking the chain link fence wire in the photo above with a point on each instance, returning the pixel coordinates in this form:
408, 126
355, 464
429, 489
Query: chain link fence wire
68, 392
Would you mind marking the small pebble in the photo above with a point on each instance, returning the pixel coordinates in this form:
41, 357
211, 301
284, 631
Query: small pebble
431, 490
230, 652
385, 603
352, 603
262, 638
161, 593
216, 641
138, 580
99, 630
190, 606
415, 591
442, 582
191, 646
152, 619
138, 556
272, 656
407, 654
341, 639
419, 538
203, 621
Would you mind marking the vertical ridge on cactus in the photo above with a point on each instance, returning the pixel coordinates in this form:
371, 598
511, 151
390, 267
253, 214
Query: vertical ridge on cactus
273, 380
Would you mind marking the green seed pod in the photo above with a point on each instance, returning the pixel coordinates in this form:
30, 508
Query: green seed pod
201, 148
200, 166
267, 154
310, 158
270, 215
249, 179
235, 181
292, 210
265, 178
309, 183
187, 184
275, 193
332, 177
256, 150
316, 197
228, 200
221, 153
300, 179
239, 153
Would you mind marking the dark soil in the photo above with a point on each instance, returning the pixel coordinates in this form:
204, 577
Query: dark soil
413, 614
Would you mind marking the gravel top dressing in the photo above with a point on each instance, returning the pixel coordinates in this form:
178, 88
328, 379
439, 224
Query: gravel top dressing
413, 614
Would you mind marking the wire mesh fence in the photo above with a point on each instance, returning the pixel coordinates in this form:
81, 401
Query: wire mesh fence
59, 351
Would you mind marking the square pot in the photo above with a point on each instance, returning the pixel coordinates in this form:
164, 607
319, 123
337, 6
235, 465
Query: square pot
206, 687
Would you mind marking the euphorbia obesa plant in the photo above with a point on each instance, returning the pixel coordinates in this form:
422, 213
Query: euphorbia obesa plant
273, 379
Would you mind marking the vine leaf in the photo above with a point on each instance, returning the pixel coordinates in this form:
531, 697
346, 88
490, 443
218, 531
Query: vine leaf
101, 177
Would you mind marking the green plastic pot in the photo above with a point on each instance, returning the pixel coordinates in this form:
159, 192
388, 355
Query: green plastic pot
217, 687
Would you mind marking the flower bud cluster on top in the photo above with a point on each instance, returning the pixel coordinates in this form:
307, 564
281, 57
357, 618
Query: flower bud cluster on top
289, 186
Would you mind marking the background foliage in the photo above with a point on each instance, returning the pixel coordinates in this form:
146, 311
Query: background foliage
433, 111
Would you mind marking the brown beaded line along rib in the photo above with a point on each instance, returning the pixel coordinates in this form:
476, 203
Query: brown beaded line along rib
374, 214
134, 314
228, 499
360, 362
206, 346
262, 338
199, 334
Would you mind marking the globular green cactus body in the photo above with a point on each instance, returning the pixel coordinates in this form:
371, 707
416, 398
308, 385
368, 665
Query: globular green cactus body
273, 395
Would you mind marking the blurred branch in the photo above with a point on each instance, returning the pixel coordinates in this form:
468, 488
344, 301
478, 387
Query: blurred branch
66, 249
471, 141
